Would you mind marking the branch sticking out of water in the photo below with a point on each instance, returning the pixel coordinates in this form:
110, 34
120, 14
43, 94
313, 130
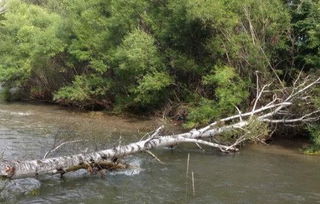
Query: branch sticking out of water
267, 113
59, 146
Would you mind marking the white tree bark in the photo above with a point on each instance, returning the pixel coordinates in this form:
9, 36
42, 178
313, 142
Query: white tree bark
16, 169
106, 159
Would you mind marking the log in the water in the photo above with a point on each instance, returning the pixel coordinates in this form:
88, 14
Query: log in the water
107, 159
16, 169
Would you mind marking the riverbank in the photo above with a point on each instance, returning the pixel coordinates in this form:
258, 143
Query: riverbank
27, 131
86, 120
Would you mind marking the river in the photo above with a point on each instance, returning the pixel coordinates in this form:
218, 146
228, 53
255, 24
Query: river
258, 174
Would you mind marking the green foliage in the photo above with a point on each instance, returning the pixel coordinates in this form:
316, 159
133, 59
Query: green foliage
152, 88
230, 91
140, 71
83, 90
87, 22
306, 29
315, 134
4, 95
314, 131
137, 55
246, 34
202, 113
316, 97
140, 55
24, 44
255, 132
212, 12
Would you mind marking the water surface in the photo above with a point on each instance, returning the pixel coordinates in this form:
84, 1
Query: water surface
258, 174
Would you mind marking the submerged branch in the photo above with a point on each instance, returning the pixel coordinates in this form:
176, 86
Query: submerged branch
108, 159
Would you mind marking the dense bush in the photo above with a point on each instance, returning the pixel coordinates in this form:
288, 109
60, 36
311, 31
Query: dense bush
29, 42
230, 90
197, 58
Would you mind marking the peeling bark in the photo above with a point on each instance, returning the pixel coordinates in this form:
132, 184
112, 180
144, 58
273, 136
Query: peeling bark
17, 169
106, 159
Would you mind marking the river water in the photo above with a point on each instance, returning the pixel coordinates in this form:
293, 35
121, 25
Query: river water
258, 174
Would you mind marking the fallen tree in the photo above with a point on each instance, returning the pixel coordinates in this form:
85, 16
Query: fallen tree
244, 127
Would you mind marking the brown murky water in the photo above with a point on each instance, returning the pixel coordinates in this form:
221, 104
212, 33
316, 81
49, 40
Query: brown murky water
258, 174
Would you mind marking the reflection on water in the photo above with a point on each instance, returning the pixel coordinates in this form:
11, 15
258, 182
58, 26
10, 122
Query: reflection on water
258, 174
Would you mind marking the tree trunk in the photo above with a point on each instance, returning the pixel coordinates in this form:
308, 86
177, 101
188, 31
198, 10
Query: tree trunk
107, 159
17, 169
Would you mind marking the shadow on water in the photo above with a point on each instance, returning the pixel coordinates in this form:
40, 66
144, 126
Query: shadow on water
258, 174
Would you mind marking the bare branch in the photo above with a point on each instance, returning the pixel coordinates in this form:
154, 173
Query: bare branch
303, 89
305, 118
154, 156
223, 148
262, 109
240, 114
193, 186
258, 97
156, 133
59, 146
199, 146
298, 78
18, 169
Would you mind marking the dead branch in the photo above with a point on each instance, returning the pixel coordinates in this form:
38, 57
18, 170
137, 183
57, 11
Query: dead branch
154, 156
304, 118
268, 113
59, 146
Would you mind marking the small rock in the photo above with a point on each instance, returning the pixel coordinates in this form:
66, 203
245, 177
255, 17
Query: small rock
10, 189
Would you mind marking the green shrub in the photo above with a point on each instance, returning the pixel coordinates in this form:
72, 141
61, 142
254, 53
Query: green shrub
152, 88
142, 55
83, 90
4, 94
230, 91
29, 37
